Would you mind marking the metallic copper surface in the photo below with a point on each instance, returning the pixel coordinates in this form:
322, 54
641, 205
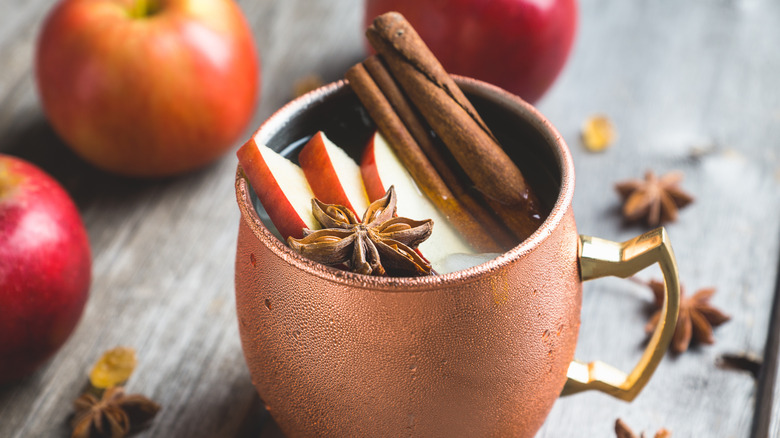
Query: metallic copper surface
480, 352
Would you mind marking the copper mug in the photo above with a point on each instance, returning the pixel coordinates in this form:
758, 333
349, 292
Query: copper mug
481, 352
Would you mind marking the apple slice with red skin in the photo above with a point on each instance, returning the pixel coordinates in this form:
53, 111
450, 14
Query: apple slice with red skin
333, 175
381, 169
281, 187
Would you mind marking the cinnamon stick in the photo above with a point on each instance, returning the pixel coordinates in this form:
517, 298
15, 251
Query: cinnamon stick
518, 218
456, 122
446, 109
410, 118
410, 155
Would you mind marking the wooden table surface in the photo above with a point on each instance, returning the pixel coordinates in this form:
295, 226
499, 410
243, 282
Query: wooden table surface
690, 86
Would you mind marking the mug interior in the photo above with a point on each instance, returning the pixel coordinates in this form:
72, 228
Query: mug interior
527, 137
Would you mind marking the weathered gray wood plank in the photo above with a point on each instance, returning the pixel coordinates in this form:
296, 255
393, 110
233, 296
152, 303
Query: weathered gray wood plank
672, 75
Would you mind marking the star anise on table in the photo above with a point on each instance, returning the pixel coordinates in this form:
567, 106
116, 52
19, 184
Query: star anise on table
655, 199
623, 431
379, 244
113, 415
696, 319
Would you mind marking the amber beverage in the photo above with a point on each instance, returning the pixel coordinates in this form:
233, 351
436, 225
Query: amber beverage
481, 352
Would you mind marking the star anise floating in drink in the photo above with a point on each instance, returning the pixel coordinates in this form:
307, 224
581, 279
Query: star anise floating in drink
696, 319
114, 415
623, 431
657, 200
379, 244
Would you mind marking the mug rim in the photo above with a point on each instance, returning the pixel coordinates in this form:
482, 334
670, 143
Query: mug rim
430, 282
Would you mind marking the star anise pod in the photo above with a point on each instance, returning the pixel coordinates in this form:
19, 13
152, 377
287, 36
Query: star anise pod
657, 200
113, 415
696, 319
623, 431
379, 244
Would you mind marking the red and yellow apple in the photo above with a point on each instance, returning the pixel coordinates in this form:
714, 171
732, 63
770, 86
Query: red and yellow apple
148, 87
519, 45
45, 267
281, 187
333, 175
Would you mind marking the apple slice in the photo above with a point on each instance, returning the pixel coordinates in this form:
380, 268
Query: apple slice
281, 187
333, 175
380, 169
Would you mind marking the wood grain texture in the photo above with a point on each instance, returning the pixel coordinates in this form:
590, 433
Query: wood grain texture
675, 77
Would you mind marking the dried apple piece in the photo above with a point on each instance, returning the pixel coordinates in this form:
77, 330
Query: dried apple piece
598, 133
113, 368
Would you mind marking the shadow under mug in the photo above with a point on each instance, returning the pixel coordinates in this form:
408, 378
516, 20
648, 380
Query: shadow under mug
481, 352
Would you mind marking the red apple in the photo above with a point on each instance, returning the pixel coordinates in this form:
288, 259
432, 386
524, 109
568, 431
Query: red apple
381, 169
281, 187
148, 87
45, 267
519, 45
333, 175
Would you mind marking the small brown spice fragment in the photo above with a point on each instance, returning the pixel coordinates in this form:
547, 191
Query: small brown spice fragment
748, 362
623, 431
379, 244
657, 200
696, 319
114, 415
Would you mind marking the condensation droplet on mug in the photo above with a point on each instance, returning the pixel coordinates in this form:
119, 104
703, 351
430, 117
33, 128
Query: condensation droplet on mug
560, 330
253, 259
268, 304
546, 334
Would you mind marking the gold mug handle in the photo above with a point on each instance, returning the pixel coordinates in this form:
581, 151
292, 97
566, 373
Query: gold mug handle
601, 258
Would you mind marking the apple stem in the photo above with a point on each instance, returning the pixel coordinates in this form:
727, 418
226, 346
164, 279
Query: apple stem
144, 8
